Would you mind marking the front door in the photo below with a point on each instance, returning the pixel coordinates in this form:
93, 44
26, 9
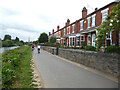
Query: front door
93, 40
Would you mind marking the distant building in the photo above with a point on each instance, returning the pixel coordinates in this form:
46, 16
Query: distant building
84, 29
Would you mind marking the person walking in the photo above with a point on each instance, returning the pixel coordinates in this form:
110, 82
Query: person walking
33, 47
38, 48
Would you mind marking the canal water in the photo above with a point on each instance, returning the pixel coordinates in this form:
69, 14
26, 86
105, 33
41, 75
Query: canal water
7, 48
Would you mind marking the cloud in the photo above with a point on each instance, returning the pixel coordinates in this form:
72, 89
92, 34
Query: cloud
4, 26
36, 16
8, 12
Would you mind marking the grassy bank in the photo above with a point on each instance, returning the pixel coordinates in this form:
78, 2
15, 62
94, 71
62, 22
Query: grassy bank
16, 69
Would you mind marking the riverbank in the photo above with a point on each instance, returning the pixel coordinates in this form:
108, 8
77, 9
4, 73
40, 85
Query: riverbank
16, 68
3, 49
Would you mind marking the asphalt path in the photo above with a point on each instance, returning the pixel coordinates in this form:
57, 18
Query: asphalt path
57, 73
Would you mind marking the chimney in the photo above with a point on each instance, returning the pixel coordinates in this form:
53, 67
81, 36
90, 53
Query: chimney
68, 21
53, 31
84, 12
96, 9
57, 27
49, 33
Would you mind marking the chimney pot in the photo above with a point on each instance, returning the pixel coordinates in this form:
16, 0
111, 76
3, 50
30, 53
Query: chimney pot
96, 9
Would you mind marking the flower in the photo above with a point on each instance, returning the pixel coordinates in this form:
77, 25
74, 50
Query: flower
111, 20
110, 24
117, 21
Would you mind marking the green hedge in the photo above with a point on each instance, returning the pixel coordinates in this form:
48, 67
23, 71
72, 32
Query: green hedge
112, 49
90, 48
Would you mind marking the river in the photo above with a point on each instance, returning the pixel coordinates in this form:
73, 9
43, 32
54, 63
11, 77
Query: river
7, 48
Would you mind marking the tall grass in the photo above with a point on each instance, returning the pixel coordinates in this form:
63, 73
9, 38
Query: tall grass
16, 69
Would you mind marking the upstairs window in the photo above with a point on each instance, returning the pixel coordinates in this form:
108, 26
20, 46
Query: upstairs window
69, 29
93, 20
104, 14
59, 33
81, 25
73, 28
89, 22
64, 31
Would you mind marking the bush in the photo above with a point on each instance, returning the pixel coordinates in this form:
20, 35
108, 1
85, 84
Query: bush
83, 44
91, 48
112, 49
52, 39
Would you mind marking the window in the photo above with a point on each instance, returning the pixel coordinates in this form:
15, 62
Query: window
64, 42
104, 14
78, 41
82, 39
64, 31
69, 29
108, 39
73, 28
69, 42
93, 20
88, 22
73, 42
59, 33
81, 26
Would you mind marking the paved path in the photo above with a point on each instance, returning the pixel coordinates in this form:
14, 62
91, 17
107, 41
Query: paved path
57, 73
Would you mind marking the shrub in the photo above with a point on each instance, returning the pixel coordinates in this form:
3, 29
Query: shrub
83, 44
91, 48
112, 49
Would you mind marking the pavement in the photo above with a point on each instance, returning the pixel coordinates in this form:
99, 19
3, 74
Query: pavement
57, 73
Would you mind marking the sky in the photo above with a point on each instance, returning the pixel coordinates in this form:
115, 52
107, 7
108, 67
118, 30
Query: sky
29, 18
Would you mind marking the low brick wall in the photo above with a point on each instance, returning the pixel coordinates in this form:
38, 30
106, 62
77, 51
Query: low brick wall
104, 62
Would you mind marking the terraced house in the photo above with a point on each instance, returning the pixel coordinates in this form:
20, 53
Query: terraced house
84, 29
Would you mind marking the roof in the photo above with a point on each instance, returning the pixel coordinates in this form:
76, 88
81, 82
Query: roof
114, 2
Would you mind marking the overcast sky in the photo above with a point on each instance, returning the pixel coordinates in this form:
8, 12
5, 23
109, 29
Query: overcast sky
29, 18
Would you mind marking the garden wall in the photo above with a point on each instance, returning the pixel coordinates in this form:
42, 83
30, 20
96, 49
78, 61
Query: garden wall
104, 62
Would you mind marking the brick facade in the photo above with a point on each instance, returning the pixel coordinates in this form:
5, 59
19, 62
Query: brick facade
87, 34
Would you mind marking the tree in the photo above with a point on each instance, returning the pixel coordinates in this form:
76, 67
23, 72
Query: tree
16, 39
52, 39
43, 38
7, 43
112, 23
7, 37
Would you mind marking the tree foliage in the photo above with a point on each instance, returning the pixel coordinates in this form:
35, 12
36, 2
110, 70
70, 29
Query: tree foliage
7, 37
16, 39
52, 39
112, 23
43, 38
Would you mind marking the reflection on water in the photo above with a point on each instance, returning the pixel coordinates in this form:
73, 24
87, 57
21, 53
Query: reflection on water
7, 48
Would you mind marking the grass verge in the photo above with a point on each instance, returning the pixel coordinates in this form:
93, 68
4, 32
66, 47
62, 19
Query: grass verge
16, 68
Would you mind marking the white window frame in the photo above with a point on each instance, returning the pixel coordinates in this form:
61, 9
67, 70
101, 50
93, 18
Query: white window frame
77, 40
73, 41
69, 29
89, 21
104, 16
93, 20
81, 38
82, 25
110, 38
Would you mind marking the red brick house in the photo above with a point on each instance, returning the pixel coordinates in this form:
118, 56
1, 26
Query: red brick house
84, 29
